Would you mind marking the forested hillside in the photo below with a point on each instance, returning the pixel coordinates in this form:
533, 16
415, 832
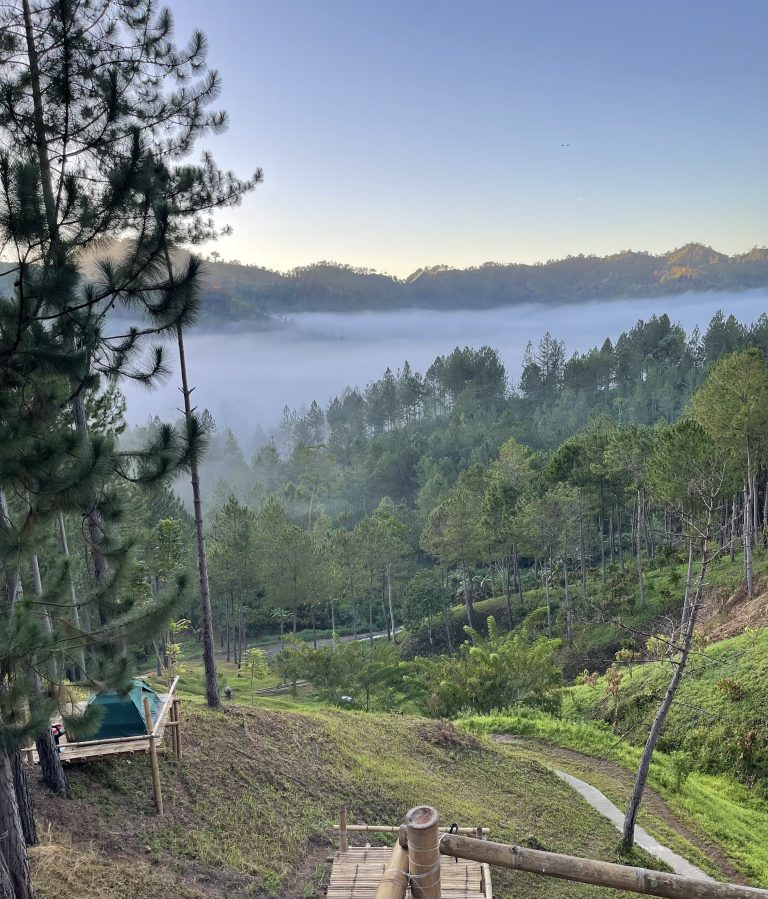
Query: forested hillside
388, 505
234, 292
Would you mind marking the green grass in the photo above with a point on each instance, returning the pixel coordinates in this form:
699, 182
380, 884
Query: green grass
192, 688
249, 809
719, 806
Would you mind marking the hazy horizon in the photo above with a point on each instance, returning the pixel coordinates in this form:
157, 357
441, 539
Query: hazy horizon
415, 134
246, 378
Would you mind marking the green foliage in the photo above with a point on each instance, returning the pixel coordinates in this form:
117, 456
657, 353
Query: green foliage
353, 674
490, 673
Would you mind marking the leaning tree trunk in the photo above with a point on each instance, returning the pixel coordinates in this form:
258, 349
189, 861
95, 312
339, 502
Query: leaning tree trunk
15, 877
691, 611
209, 653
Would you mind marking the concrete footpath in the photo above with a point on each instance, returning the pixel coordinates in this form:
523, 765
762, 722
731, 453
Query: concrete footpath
602, 804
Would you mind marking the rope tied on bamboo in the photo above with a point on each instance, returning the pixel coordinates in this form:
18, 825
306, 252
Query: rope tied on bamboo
433, 869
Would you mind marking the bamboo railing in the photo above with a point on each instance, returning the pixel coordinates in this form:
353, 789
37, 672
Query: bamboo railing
585, 870
420, 845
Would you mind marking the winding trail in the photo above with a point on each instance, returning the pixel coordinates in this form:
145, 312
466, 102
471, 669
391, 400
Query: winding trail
555, 757
643, 839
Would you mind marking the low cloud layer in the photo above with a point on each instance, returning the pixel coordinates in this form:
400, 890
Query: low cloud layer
246, 379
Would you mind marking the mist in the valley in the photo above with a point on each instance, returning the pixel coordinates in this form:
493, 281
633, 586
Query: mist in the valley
246, 378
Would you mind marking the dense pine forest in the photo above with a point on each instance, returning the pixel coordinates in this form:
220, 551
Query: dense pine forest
427, 487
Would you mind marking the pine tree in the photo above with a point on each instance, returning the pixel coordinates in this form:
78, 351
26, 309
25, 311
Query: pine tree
97, 107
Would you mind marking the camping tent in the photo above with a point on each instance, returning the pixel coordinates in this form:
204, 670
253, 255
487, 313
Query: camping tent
124, 715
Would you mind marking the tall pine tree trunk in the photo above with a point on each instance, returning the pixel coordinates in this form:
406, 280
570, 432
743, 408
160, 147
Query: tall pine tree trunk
13, 846
79, 652
93, 516
508, 587
468, 595
23, 797
209, 653
621, 539
446, 613
547, 579
518, 579
370, 608
611, 540
391, 607
51, 767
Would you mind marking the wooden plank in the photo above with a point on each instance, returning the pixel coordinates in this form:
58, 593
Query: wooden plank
358, 873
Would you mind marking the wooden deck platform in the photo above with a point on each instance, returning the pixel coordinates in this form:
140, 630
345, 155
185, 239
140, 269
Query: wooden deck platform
357, 873
117, 747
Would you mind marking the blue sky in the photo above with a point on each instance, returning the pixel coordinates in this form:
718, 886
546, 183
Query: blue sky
395, 135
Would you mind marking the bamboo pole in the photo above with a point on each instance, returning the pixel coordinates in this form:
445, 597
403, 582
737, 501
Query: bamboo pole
171, 723
583, 870
166, 703
156, 789
423, 852
177, 722
343, 841
394, 881
389, 828
87, 743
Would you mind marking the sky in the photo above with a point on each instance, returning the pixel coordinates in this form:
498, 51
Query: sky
404, 134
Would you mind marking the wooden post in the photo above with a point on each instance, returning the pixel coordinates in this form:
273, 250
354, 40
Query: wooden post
394, 881
175, 724
585, 870
156, 789
343, 841
177, 703
423, 852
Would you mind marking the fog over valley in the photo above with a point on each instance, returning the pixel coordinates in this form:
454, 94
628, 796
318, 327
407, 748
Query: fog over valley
245, 378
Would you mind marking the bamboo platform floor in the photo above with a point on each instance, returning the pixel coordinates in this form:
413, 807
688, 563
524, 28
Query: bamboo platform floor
96, 749
357, 873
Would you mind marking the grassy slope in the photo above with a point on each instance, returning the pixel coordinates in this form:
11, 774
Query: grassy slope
249, 808
717, 807
720, 700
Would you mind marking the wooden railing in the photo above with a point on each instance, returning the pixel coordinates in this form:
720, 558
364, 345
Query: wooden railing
420, 845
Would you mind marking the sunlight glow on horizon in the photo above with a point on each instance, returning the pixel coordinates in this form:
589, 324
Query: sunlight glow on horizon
417, 136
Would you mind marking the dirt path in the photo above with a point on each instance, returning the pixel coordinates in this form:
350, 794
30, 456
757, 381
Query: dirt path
578, 763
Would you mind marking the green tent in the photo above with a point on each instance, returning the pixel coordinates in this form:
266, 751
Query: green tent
124, 715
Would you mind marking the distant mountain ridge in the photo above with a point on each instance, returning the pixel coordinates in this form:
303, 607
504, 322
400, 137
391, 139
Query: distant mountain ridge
234, 292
